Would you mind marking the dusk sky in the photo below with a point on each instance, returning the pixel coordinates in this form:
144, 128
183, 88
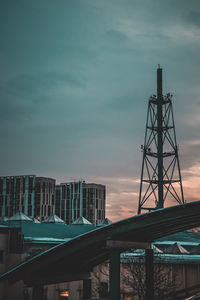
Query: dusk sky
75, 80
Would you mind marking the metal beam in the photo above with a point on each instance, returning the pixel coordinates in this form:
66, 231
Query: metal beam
127, 245
55, 278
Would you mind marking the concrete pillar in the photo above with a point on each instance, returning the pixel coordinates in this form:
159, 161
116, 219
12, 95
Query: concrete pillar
114, 275
149, 266
86, 289
38, 292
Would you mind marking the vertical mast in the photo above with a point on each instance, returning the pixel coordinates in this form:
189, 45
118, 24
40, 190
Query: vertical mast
160, 175
160, 137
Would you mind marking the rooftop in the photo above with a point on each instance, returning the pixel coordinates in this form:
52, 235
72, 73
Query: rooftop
53, 219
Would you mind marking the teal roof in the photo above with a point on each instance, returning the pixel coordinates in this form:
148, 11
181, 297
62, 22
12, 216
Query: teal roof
104, 222
53, 230
46, 240
162, 258
81, 221
176, 248
53, 219
4, 220
156, 249
35, 220
20, 216
195, 249
184, 236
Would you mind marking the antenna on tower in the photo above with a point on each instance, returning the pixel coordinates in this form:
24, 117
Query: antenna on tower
160, 176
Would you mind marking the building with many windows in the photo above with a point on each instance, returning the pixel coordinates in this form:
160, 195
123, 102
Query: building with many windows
80, 199
39, 197
32, 195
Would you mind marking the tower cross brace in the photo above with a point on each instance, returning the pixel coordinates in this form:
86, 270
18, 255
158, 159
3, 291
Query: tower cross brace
160, 175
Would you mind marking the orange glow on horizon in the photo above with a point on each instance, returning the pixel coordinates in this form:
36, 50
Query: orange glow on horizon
122, 202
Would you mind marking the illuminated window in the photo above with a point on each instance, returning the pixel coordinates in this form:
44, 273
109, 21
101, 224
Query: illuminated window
128, 297
64, 295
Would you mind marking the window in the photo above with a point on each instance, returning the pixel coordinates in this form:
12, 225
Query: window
67, 204
26, 295
49, 210
128, 297
68, 193
43, 187
64, 295
99, 214
29, 199
64, 191
1, 256
29, 210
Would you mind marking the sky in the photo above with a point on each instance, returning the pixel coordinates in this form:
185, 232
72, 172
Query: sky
75, 79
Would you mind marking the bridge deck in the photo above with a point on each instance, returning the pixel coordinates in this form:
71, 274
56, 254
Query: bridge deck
77, 256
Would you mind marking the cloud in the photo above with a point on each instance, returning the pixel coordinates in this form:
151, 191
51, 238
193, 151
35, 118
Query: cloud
75, 82
115, 36
191, 183
194, 18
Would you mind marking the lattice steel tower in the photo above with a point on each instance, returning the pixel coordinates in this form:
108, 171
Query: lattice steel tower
160, 176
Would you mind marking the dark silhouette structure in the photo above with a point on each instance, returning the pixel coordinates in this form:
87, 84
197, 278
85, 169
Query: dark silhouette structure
75, 258
160, 176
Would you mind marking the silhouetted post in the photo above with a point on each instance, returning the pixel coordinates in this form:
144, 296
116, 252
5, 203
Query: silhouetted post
114, 275
86, 289
160, 137
149, 268
38, 292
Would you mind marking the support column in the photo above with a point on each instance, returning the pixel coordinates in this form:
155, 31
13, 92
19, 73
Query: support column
149, 266
114, 275
86, 289
38, 292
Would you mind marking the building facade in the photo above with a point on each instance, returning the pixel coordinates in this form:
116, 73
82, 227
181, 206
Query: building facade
34, 196
80, 199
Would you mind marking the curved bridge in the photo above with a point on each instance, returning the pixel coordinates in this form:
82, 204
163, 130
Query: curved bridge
72, 259
85, 251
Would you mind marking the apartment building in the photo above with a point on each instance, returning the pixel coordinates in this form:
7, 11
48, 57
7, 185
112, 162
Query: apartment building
80, 199
32, 195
